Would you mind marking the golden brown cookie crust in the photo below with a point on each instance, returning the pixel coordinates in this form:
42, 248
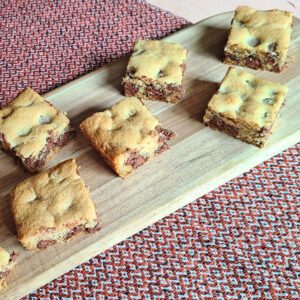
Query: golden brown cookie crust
47, 206
29, 124
128, 127
246, 105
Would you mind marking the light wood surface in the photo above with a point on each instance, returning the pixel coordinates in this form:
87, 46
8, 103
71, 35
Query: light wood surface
200, 159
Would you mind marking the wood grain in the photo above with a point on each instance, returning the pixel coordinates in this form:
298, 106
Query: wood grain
200, 159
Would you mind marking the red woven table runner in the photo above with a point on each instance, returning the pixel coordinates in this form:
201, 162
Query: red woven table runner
240, 241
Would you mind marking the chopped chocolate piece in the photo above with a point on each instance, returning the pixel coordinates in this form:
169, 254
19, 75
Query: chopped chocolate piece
135, 160
155, 93
43, 244
13, 257
81, 228
93, 229
74, 231
130, 89
4, 274
161, 148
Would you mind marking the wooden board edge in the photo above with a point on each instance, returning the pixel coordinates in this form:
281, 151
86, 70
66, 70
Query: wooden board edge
126, 229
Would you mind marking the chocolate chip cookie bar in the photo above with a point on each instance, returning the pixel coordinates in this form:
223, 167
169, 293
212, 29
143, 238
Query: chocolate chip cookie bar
245, 107
155, 71
52, 207
127, 135
259, 39
7, 261
31, 129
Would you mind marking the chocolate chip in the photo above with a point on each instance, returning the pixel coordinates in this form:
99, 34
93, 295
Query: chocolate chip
13, 257
240, 23
130, 89
251, 83
24, 133
30, 104
131, 70
6, 116
160, 74
135, 160
266, 115
43, 244
269, 101
116, 128
34, 198
254, 42
244, 97
224, 91
161, 148
44, 120
137, 52
132, 113
272, 47
165, 134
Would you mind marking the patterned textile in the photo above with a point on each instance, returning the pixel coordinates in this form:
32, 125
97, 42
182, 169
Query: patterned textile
240, 241
45, 44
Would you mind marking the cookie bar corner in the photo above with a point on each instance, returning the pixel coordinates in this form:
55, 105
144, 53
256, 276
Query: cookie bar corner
7, 262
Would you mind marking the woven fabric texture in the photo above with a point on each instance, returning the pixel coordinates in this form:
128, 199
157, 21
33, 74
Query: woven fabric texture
240, 241
45, 44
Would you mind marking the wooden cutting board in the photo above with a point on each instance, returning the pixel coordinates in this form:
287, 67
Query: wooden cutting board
200, 159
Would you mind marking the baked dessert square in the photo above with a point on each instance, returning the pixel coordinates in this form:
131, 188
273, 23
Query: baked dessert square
7, 262
52, 207
245, 107
259, 39
127, 135
155, 71
31, 129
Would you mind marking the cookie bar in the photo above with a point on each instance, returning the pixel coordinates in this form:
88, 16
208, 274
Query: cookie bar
245, 107
259, 39
155, 71
31, 129
127, 135
52, 207
7, 261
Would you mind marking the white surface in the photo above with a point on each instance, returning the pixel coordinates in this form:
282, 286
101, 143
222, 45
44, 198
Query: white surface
196, 10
